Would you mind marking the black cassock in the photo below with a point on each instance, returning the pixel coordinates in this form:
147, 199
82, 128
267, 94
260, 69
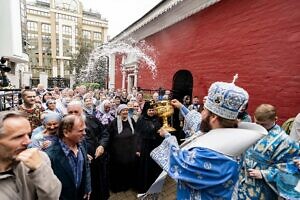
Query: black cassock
122, 159
148, 139
97, 135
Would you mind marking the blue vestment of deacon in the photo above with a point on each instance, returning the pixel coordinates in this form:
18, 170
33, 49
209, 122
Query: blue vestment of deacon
285, 178
269, 155
201, 173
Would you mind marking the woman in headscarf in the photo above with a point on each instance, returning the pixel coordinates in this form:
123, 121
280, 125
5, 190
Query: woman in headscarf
122, 150
51, 106
46, 137
105, 115
148, 138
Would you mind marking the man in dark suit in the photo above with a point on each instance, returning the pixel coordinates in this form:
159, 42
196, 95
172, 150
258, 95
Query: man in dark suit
96, 140
69, 159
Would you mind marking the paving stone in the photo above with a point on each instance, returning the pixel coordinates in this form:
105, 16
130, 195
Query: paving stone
168, 192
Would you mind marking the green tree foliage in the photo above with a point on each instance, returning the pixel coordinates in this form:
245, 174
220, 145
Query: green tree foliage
79, 61
92, 86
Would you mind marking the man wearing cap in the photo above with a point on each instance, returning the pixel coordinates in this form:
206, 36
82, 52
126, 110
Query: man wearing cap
205, 167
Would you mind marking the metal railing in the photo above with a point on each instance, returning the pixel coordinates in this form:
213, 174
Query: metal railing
58, 82
9, 98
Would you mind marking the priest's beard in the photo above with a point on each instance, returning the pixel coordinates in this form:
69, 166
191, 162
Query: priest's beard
205, 126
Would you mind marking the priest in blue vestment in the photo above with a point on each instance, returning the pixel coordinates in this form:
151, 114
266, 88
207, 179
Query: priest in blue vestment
206, 166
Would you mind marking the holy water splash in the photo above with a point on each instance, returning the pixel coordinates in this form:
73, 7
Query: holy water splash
144, 53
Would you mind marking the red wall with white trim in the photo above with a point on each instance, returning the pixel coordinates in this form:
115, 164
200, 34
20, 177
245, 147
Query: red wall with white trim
259, 40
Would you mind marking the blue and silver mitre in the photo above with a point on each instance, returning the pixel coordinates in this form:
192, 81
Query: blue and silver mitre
226, 99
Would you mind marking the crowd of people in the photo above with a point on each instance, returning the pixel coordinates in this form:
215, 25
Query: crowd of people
86, 144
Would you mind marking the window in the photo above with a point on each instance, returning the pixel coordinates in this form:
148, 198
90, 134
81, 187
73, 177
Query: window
46, 28
32, 26
97, 36
96, 44
67, 50
86, 34
32, 36
46, 39
47, 61
32, 41
67, 30
57, 45
46, 44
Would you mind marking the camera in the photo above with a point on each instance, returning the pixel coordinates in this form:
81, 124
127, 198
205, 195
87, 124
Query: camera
4, 82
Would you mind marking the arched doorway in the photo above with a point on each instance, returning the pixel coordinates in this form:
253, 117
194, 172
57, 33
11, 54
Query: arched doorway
182, 85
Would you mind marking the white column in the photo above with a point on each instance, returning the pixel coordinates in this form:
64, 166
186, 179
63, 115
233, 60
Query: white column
123, 78
72, 80
112, 71
135, 77
54, 71
62, 69
26, 78
44, 79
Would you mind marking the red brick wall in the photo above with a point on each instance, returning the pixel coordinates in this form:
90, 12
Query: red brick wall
259, 40
118, 71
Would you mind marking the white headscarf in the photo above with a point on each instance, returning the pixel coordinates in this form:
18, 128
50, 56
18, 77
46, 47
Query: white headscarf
119, 120
121, 107
101, 107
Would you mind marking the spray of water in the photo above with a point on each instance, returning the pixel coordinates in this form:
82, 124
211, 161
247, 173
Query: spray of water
143, 52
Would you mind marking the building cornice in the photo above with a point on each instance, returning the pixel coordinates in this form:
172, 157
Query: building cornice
95, 20
34, 7
162, 16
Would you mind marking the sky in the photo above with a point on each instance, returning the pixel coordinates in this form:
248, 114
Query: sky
120, 13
